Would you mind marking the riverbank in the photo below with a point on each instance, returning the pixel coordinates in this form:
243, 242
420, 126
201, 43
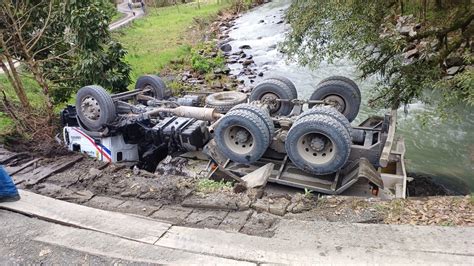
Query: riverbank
166, 34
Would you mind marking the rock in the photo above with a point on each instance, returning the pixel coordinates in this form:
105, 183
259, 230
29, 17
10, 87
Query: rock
44, 252
278, 207
226, 70
245, 46
411, 53
260, 74
94, 172
216, 84
261, 21
453, 70
273, 46
250, 57
226, 47
280, 22
136, 171
247, 62
238, 52
405, 30
243, 55
453, 61
260, 206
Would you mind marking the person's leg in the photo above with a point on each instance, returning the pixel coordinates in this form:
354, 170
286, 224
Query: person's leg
131, 8
8, 191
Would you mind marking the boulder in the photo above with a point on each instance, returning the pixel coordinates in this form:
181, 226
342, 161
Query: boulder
245, 46
226, 47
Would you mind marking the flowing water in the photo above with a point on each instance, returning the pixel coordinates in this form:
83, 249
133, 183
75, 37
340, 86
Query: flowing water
443, 149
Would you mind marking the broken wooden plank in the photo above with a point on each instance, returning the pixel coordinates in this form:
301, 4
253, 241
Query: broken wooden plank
46, 171
126, 226
14, 157
14, 170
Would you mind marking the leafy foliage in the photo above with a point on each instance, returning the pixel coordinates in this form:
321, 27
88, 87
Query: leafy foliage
372, 34
203, 63
74, 47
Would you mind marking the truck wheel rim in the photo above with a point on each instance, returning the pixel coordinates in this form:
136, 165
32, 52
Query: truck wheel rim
316, 148
90, 108
239, 139
337, 102
271, 100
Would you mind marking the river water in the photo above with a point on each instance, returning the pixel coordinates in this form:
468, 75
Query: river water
443, 150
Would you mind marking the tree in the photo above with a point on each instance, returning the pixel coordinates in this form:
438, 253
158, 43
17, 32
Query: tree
413, 46
63, 45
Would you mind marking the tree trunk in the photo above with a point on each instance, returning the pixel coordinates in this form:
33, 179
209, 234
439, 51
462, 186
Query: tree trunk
14, 79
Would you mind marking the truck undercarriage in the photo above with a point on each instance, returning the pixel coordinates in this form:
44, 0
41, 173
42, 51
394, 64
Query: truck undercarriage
315, 149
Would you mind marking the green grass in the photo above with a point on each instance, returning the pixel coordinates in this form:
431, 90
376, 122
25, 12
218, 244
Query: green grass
152, 42
209, 186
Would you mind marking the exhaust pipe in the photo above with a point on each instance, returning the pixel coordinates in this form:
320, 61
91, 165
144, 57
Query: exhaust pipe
200, 113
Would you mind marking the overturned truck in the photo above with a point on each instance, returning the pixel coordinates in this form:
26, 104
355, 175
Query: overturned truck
314, 148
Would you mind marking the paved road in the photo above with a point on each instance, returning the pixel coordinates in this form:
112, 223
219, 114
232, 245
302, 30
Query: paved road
129, 17
102, 236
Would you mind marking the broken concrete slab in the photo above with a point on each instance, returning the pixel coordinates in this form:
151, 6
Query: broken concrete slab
77, 196
278, 206
260, 205
218, 201
260, 224
205, 218
173, 214
138, 207
126, 226
259, 177
104, 203
234, 221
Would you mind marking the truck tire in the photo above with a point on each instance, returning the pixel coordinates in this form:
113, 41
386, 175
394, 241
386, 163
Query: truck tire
95, 107
263, 114
346, 99
242, 136
156, 84
329, 111
224, 101
318, 144
272, 89
288, 83
344, 79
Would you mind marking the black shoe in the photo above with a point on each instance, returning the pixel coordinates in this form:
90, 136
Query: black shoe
10, 198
